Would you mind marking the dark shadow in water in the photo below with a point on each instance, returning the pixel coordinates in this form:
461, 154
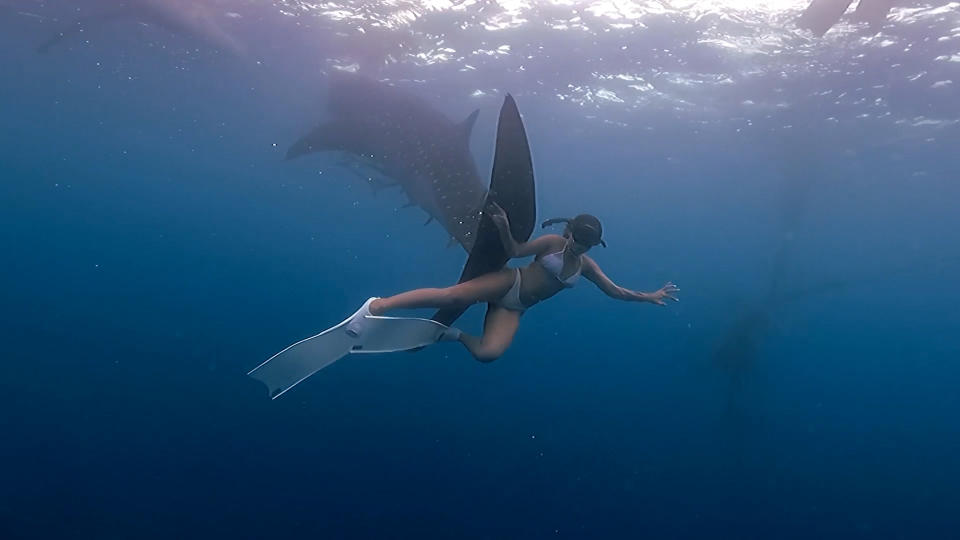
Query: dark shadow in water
804, 167
809, 163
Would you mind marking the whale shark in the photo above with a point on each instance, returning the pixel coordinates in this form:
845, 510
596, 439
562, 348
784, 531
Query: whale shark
402, 137
194, 19
804, 167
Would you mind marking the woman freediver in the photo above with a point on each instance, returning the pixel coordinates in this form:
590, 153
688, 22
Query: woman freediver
559, 261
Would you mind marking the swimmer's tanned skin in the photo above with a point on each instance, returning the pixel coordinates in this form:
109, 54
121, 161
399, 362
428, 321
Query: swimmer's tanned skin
558, 261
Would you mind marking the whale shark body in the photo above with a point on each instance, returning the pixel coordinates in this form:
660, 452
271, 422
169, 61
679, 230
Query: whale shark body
401, 136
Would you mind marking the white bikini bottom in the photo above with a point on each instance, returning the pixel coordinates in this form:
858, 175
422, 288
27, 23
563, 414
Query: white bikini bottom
511, 300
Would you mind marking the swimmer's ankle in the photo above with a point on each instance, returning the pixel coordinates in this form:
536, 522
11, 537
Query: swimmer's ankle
451, 334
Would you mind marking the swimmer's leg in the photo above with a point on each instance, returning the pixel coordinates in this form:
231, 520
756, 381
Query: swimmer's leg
499, 328
486, 288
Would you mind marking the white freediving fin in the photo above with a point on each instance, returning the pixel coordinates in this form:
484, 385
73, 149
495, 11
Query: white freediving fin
292, 365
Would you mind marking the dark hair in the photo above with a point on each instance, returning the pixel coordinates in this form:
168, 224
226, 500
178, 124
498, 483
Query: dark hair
585, 229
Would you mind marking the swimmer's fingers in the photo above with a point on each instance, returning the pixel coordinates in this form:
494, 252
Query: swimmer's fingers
495, 209
668, 290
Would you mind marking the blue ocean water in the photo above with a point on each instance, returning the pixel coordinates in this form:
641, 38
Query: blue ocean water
156, 247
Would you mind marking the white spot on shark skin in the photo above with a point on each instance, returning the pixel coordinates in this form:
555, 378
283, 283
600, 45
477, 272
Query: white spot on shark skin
941, 84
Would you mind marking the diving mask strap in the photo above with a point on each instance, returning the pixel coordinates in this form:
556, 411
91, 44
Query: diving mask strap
554, 221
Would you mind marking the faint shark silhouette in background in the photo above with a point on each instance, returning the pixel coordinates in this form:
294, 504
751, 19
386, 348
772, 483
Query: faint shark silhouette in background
808, 161
803, 166
195, 19
399, 135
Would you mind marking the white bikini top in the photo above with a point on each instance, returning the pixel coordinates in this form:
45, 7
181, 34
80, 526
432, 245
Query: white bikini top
553, 264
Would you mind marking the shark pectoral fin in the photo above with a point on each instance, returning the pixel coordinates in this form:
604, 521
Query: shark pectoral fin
378, 185
315, 141
427, 222
301, 147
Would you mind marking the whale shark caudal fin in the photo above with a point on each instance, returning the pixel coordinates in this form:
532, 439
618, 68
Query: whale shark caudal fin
512, 187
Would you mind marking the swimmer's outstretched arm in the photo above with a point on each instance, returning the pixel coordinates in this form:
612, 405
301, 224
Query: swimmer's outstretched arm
537, 246
591, 270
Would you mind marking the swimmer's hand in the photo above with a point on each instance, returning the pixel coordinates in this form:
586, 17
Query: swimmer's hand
498, 216
659, 296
